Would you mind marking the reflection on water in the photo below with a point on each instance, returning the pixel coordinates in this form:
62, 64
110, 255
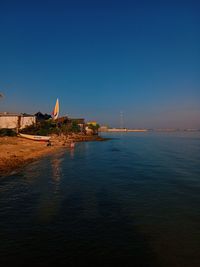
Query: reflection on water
131, 201
49, 203
56, 170
72, 152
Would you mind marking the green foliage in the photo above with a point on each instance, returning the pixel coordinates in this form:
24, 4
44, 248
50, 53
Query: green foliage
93, 127
75, 128
41, 128
47, 127
65, 128
7, 132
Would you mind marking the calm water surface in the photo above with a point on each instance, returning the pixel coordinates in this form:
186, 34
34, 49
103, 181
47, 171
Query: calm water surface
130, 201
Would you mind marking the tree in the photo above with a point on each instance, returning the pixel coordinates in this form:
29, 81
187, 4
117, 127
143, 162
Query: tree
75, 128
94, 127
41, 117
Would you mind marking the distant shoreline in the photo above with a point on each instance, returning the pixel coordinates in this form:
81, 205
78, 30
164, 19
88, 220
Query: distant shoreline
124, 130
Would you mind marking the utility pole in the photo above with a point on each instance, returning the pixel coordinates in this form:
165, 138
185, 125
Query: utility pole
121, 119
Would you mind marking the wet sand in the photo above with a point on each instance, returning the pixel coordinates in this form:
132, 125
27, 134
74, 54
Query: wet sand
15, 152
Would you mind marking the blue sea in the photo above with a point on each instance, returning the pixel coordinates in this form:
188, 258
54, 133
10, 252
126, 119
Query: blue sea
133, 200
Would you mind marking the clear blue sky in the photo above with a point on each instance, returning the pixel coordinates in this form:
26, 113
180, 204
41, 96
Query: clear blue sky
103, 57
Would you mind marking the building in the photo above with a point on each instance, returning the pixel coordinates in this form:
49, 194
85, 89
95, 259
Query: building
92, 127
94, 123
67, 120
103, 128
16, 121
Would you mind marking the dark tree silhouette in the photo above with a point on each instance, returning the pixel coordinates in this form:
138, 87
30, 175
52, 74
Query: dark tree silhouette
41, 117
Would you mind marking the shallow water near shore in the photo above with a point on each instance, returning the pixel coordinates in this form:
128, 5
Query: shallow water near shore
130, 201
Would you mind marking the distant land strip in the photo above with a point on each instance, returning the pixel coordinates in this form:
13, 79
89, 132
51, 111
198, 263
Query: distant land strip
102, 129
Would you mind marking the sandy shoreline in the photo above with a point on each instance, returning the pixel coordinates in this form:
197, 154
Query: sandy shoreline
15, 152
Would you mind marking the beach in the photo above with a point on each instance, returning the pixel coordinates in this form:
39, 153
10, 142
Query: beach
15, 152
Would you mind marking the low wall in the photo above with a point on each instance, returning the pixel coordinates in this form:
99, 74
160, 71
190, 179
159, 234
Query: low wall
14, 122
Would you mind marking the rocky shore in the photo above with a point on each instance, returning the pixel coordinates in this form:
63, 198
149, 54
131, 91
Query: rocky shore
15, 152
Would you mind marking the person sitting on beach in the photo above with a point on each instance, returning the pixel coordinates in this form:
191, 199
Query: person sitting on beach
48, 143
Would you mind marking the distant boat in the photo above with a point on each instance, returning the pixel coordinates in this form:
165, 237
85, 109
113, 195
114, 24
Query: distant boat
56, 110
35, 137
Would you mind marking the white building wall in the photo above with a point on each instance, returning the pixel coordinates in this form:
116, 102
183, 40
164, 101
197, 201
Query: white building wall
11, 122
88, 130
26, 121
8, 122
